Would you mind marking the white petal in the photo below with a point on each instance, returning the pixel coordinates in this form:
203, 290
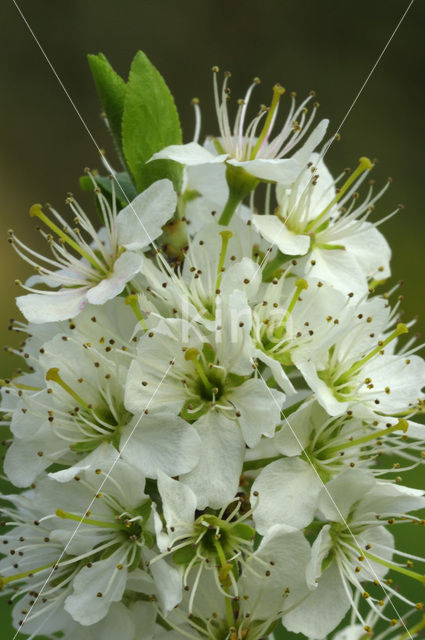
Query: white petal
370, 249
323, 393
341, 493
168, 581
259, 406
237, 275
85, 606
302, 156
125, 268
283, 170
339, 268
324, 608
234, 349
117, 624
216, 478
391, 498
190, 154
105, 455
297, 431
51, 307
277, 370
23, 463
286, 553
276, 232
143, 616
287, 494
179, 502
161, 443
141, 222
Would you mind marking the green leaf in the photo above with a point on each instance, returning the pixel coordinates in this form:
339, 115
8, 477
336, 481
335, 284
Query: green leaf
125, 190
150, 123
111, 89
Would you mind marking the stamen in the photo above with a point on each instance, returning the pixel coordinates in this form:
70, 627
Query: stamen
195, 104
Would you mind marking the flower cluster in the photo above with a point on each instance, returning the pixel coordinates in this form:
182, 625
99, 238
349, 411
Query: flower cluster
210, 384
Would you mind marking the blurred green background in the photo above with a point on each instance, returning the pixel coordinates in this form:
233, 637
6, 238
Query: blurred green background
326, 45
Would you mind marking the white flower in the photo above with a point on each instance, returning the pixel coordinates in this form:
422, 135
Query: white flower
73, 402
215, 262
313, 449
272, 582
97, 269
353, 547
209, 384
216, 551
329, 227
356, 369
293, 316
243, 146
93, 567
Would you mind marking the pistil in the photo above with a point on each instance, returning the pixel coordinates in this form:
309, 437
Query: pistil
300, 285
193, 355
364, 165
65, 515
225, 235
400, 329
36, 212
402, 425
53, 374
278, 91
132, 302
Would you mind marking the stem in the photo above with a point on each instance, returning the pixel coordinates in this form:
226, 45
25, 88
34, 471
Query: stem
229, 208
272, 266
